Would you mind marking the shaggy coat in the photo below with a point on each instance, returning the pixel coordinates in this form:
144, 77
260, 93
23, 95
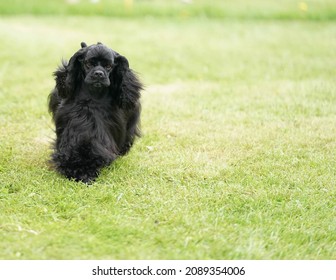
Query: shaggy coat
96, 110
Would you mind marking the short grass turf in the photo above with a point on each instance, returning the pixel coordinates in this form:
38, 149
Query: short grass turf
237, 158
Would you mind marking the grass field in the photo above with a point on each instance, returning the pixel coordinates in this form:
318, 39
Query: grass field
237, 158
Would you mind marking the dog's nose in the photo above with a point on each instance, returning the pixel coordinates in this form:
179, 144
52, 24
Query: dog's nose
98, 74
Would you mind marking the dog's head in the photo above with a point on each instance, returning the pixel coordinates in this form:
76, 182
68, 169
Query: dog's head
95, 65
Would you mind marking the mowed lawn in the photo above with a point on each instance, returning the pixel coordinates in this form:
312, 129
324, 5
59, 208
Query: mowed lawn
237, 157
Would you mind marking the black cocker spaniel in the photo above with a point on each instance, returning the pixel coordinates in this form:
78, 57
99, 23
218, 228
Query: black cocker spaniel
96, 109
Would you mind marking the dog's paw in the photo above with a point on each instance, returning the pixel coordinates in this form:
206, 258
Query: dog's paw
86, 179
81, 175
125, 149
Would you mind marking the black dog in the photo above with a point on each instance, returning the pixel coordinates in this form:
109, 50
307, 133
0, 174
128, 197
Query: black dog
96, 109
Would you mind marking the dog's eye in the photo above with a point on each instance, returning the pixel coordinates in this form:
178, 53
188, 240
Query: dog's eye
88, 64
108, 67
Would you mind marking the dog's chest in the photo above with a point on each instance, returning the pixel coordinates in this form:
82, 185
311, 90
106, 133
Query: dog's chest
101, 113
95, 111
103, 120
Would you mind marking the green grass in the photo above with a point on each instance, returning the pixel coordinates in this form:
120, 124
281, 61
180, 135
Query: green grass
237, 158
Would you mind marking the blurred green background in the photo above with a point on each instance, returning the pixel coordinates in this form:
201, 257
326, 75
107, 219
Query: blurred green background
256, 9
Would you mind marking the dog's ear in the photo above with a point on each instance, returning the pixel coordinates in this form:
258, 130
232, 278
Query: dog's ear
60, 76
125, 85
74, 72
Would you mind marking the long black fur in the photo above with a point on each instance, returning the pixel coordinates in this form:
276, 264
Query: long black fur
95, 106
